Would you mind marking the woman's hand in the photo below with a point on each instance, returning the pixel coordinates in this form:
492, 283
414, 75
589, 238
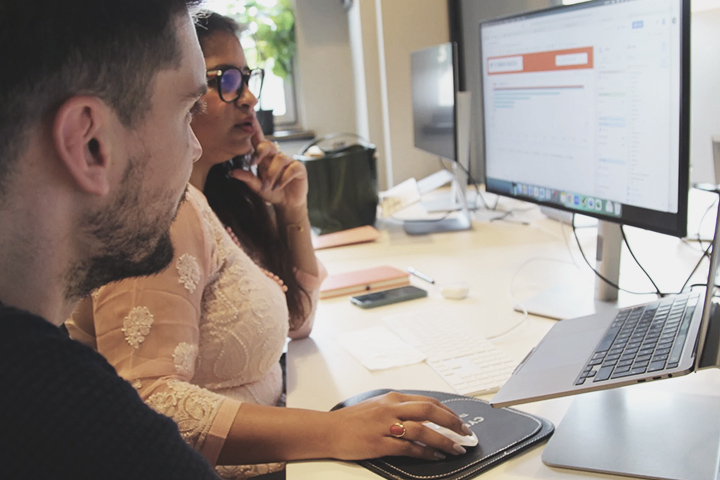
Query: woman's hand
364, 430
281, 180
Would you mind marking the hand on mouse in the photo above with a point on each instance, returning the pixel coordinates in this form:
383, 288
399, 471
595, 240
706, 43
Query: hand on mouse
281, 180
364, 430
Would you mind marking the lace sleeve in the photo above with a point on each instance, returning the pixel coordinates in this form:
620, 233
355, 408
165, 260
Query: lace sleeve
148, 329
203, 417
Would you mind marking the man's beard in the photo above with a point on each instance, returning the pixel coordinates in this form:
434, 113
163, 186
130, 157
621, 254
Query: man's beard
112, 267
133, 243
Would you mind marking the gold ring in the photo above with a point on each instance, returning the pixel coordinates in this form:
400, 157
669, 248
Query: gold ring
397, 430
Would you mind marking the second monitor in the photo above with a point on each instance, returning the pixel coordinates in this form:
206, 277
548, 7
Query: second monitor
441, 126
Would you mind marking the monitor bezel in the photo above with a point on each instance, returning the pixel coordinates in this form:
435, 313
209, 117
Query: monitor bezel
674, 224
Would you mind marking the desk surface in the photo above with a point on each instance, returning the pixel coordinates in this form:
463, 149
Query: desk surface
504, 263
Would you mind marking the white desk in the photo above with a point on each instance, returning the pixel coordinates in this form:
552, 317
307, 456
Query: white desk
498, 260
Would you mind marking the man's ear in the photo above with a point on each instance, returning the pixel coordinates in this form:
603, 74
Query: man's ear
81, 137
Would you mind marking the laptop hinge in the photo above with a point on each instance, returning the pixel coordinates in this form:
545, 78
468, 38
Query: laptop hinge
711, 353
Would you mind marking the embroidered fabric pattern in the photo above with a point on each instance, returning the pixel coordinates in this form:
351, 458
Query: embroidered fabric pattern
192, 408
189, 271
184, 358
243, 326
136, 326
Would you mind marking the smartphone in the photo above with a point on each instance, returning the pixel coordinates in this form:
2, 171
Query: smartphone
243, 162
386, 297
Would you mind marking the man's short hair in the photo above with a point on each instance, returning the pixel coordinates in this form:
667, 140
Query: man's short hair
55, 49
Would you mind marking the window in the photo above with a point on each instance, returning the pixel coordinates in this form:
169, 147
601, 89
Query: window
269, 37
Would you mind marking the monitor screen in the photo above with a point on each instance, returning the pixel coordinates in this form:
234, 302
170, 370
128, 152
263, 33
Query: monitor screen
434, 85
586, 109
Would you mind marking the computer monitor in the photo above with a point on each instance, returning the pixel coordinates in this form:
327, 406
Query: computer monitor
434, 87
586, 109
441, 127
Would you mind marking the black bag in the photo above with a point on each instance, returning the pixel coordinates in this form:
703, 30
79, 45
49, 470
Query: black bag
502, 433
342, 184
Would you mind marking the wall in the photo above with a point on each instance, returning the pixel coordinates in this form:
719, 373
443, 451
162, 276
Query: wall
705, 93
363, 85
325, 89
407, 25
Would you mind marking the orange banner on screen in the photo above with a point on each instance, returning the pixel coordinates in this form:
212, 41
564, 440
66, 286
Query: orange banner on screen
570, 59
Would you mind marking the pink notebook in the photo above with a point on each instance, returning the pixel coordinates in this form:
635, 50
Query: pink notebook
367, 233
363, 281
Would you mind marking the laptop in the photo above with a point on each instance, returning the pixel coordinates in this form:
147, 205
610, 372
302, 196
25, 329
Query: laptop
666, 338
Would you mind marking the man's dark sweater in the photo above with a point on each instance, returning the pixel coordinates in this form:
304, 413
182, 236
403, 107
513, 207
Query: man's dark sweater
66, 414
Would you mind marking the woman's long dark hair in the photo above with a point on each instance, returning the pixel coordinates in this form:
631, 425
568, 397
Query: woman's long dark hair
245, 212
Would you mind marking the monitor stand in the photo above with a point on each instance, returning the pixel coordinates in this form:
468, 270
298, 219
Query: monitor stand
646, 433
574, 299
458, 221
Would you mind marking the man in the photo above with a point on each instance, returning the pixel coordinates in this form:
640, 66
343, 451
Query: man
96, 149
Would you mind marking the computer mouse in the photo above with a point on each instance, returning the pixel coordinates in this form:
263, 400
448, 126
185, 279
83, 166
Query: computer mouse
464, 440
455, 291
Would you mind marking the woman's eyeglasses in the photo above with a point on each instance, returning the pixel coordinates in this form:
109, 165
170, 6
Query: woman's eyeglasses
230, 82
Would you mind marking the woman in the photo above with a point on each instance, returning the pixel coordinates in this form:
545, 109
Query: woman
201, 341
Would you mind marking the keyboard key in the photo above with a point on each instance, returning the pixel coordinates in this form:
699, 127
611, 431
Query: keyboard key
603, 374
657, 365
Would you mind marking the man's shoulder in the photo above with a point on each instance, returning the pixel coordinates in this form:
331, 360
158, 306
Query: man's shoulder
24, 335
67, 391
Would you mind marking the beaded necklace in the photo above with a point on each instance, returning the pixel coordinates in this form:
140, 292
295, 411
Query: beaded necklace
268, 273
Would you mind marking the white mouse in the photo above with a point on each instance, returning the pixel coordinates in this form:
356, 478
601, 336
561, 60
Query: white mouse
464, 440
455, 291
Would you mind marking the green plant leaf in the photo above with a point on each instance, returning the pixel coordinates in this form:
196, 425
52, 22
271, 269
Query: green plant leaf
274, 35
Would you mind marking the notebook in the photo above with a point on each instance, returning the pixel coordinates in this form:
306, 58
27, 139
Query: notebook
587, 353
366, 233
363, 281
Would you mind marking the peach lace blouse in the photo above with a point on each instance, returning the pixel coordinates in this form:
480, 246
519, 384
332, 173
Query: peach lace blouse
201, 337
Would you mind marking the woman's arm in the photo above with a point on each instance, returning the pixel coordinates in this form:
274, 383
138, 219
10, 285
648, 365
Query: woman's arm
263, 434
309, 272
283, 183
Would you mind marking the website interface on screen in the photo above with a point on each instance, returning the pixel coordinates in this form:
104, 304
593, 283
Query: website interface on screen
582, 105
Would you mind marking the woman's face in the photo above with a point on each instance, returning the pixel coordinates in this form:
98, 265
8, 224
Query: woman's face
224, 130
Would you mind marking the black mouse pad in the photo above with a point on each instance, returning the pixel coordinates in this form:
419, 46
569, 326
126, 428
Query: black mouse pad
502, 433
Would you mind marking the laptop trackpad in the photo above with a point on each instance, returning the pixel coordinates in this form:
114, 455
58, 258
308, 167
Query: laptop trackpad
569, 349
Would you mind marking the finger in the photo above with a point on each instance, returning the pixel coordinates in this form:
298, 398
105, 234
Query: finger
425, 410
265, 152
258, 137
417, 432
412, 449
289, 173
397, 397
271, 169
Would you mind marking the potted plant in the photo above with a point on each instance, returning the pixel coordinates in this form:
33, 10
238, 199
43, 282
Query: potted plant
271, 42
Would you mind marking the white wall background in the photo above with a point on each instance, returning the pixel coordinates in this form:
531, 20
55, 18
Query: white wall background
354, 74
326, 88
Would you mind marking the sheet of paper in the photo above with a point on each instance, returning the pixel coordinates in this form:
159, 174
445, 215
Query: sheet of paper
398, 197
378, 348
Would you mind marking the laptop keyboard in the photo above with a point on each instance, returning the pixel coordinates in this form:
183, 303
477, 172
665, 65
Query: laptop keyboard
642, 339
